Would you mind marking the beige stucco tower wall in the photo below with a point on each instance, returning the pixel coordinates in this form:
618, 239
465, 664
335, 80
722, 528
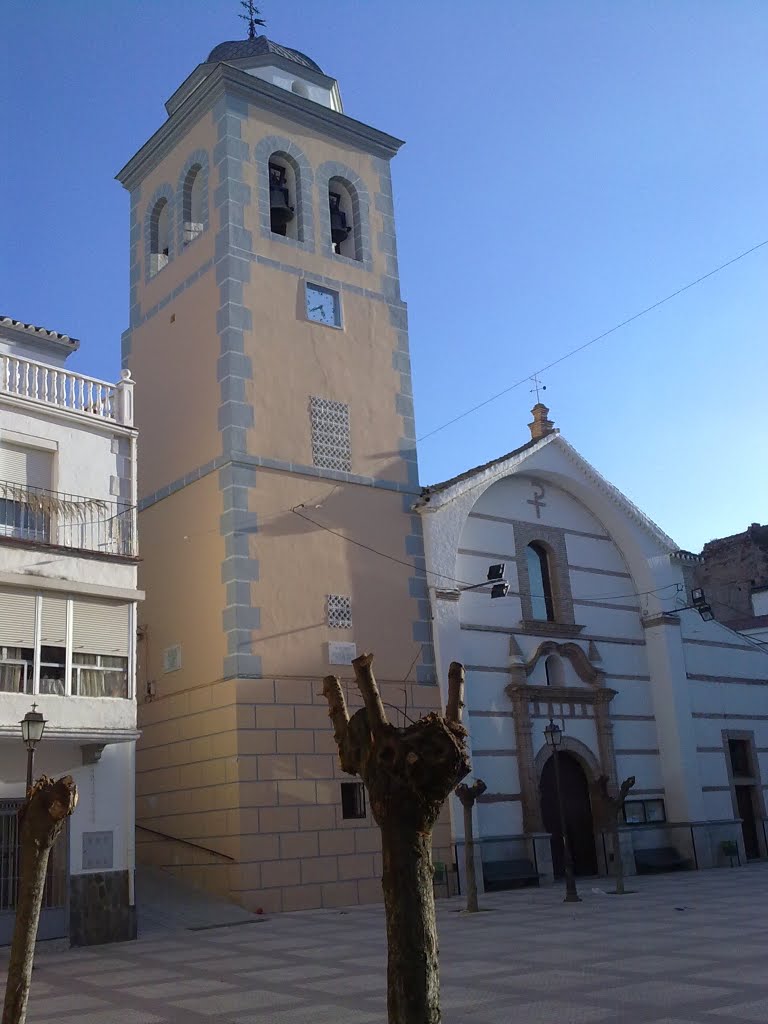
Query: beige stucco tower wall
246, 528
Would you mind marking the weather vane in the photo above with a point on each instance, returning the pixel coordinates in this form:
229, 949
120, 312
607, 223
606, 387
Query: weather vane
252, 17
537, 386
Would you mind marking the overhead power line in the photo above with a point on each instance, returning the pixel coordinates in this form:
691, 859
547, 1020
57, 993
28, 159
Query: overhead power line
592, 341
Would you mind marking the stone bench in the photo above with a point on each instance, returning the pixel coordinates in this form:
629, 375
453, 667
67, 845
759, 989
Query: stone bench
660, 858
508, 874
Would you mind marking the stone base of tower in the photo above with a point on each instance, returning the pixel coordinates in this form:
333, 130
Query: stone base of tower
257, 818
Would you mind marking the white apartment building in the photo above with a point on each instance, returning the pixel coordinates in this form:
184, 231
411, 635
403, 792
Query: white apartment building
68, 599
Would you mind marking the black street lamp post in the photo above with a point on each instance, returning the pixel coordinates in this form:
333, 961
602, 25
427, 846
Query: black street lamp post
553, 735
32, 729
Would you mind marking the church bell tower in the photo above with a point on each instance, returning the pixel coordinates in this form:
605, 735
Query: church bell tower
268, 339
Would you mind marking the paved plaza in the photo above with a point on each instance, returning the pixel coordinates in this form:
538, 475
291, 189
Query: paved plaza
684, 949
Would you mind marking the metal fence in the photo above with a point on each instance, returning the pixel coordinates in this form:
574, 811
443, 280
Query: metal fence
66, 520
53, 915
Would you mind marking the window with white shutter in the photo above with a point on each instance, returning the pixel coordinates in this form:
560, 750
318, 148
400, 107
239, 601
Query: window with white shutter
17, 640
22, 470
28, 467
53, 644
100, 627
53, 621
17, 618
100, 644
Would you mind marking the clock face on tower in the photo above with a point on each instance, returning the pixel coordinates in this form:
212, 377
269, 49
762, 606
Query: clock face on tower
323, 306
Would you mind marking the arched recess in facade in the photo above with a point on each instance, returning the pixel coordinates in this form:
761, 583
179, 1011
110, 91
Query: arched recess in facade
358, 193
530, 700
290, 153
192, 215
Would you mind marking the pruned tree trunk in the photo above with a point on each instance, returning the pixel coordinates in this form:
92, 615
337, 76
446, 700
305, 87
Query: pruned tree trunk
408, 773
468, 796
609, 809
41, 818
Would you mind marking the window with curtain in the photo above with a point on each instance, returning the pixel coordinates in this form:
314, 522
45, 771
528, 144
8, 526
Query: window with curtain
99, 675
540, 582
16, 668
100, 644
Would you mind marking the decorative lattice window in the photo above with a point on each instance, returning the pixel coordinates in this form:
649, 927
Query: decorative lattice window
339, 611
330, 434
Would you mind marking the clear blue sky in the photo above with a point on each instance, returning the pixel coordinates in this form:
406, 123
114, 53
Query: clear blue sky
567, 164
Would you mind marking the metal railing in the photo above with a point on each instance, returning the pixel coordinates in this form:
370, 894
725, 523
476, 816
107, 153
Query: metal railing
55, 892
66, 520
185, 842
25, 378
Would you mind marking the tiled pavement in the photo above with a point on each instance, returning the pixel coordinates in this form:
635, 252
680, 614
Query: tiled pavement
684, 949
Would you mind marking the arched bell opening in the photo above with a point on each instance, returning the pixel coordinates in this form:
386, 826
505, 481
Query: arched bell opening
341, 203
192, 204
283, 192
159, 236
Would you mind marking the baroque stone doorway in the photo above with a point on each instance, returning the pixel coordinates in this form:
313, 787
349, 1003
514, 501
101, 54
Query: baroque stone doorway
577, 808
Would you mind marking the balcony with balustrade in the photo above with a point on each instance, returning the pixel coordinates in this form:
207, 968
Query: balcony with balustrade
37, 515
67, 390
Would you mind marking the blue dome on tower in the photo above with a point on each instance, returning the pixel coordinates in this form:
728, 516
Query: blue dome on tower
258, 47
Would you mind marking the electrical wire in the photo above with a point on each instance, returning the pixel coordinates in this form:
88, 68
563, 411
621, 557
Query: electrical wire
592, 341
453, 579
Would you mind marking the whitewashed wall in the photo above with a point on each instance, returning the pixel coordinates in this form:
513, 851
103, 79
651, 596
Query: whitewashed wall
652, 663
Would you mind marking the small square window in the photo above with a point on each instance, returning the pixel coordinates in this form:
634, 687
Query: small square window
339, 611
352, 800
634, 812
323, 305
655, 811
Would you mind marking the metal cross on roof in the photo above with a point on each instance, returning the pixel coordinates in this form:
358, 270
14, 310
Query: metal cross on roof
252, 17
537, 386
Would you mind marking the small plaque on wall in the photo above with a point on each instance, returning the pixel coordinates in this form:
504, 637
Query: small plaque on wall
341, 653
98, 851
172, 658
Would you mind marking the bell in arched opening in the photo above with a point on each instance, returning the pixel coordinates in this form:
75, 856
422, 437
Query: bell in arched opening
339, 229
280, 211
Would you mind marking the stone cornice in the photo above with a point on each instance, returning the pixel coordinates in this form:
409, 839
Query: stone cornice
540, 627
225, 79
621, 500
560, 694
201, 72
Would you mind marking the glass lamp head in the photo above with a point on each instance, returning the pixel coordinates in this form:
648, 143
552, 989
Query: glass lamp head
32, 728
553, 734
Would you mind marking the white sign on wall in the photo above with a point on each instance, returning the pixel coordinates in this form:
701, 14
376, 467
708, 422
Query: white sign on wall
172, 658
341, 653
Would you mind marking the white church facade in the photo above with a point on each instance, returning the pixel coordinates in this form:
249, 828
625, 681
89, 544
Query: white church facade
597, 633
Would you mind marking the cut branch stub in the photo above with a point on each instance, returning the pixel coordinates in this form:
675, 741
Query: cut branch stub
455, 703
366, 683
413, 768
469, 794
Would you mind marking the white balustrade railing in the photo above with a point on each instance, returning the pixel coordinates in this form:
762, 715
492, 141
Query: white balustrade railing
53, 385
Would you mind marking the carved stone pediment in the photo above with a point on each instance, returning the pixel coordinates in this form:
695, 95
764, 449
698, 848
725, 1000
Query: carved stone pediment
585, 670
